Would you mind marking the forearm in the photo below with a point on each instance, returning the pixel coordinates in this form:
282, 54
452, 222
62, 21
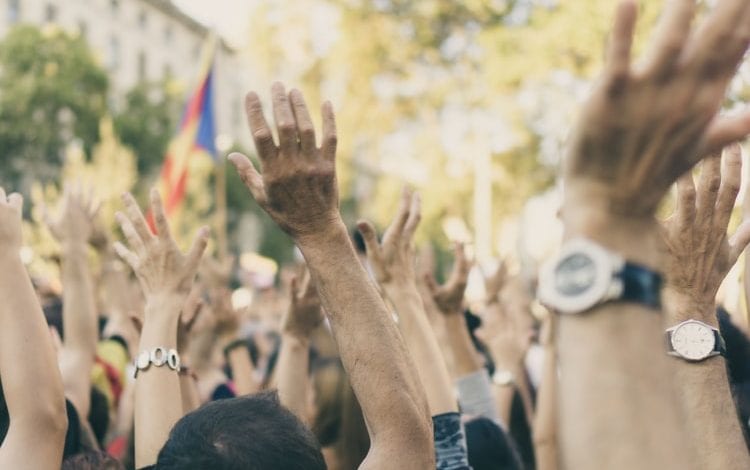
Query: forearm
157, 389
545, 421
461, 346
423, 347
704, 391
189, 393
243, 371
292, 375
35, 401
375, 358
80, 323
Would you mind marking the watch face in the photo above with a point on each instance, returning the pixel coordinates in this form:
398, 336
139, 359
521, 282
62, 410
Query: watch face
575, 275
693, 341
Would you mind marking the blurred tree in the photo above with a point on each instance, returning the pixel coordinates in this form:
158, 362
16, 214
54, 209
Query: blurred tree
51, 91
147, 122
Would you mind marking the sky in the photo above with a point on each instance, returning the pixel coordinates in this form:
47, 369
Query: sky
230, 17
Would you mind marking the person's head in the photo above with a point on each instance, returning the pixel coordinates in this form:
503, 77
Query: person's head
92, 460
248, 433
489, 446
338, 422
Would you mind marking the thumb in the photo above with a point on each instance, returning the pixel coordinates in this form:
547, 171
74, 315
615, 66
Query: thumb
370, 236
249, 175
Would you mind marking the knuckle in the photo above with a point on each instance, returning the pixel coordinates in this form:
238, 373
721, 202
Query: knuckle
286, 127
262, 135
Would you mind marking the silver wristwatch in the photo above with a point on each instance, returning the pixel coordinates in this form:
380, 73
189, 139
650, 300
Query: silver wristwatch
694, 341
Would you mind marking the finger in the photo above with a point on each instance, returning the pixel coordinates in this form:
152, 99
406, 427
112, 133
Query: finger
330, 138
305, 127
461, 265
15, 201
127, 255
135, 242
415, 216
160, 219
399, 221
739, 241
431, 283
726, 130
249, 175
708, 186
262, 135
672, 36
685, 211
731, 180
196, 251
721, 41
617, 70
136, 218
284, 118
370, 237
311, 290
294, 288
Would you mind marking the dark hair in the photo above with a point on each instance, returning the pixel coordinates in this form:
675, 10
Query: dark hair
92, 460
247, 433
490, 448
99, 415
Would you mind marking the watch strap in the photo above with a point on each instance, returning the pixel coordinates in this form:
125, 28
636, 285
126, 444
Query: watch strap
641, 285
719, 345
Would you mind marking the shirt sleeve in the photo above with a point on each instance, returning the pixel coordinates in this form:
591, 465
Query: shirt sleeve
475, 395
450, 442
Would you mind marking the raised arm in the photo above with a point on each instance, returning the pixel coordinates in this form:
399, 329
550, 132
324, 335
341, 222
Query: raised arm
700, 255
31, 381
166, 276
298, 189
73, 227
640, 130
292, 372
546, 448
393, 264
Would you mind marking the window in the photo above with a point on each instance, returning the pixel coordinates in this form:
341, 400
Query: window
114, 53
50, 13
14, 11
142, 66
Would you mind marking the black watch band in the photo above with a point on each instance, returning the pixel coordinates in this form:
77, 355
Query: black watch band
719, 345
641, 285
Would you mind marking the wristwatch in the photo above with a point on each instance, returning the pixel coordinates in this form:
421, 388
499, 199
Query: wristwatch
694, 341
157, 357
503, 378
586, 274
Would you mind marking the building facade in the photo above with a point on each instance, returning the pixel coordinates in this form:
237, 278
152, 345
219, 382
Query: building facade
144, 41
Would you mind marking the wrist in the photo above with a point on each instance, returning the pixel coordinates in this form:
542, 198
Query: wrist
295, 340
681, 305
634, 237
330, 233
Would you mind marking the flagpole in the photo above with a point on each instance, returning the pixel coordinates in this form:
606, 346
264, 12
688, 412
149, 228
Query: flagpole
222, 249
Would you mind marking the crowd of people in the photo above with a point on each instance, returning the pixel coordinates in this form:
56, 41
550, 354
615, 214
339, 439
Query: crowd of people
144, 362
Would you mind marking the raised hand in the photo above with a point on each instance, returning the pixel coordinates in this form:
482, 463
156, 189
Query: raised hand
493, 284
305, 313
76, 216
297, 187
645, 126
159, 265
392, 260
449, 297
701, 253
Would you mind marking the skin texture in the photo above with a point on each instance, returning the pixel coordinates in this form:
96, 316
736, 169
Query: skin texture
641, 129
73, 227
166, 277
700, 254
302, 318
33, 393
545, 421
298, 189
392, 261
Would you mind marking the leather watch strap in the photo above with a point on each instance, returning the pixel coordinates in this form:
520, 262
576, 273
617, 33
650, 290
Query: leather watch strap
720, 346
641, 285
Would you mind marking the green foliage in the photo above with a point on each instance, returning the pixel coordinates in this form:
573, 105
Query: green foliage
52, 91
147, 122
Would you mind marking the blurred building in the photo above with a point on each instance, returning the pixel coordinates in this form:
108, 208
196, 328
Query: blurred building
143, 41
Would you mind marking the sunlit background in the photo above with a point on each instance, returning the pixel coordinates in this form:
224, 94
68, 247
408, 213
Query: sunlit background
467, 101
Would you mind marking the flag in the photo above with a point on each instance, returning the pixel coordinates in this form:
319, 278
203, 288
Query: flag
195, 137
